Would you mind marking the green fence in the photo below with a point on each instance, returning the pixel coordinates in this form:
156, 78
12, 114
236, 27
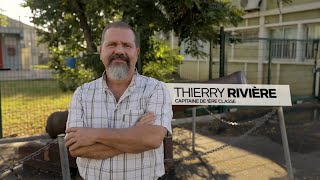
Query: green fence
28, 97
29, 93
264, 61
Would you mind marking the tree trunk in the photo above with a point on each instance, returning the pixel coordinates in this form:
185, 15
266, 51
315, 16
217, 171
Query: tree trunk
77, 7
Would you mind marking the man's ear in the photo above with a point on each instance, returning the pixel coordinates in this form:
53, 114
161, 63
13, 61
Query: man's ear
99, 49
138, 51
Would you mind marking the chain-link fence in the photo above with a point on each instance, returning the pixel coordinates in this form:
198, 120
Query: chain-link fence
262, 123
26, 104
264, 61
231, 129
29, 92
254, 123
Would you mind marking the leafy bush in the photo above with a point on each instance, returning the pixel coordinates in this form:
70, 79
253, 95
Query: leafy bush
161, 61
70, 78
93, 62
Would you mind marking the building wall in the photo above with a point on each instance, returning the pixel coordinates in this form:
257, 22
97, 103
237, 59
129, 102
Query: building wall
299, 20
195, 70
11, 51
299, 2
25, 41
298, 16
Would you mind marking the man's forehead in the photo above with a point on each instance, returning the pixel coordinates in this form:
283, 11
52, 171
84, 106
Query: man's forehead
119, 33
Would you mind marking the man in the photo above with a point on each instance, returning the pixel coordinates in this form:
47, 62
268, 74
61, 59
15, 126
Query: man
117, 123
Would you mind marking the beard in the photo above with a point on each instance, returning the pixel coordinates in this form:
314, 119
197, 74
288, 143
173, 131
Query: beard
118, 71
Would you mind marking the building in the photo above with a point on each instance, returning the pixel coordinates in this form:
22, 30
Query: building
284, 34
294, 26
19, 47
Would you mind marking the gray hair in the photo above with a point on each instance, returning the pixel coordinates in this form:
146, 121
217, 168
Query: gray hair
121, 25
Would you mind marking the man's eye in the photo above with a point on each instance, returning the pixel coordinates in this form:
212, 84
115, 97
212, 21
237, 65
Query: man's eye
127, 45
111, 45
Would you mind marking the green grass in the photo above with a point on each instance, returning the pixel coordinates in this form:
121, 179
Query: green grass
40, 66
26, 105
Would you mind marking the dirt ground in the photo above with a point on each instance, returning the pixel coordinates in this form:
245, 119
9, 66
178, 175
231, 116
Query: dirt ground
257, 156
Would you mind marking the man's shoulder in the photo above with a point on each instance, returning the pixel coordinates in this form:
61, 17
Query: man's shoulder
95, 84
149, 81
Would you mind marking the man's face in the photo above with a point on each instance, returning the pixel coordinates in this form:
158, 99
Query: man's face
119, 53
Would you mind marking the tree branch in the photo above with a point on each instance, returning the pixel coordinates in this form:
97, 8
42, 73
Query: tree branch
77, 7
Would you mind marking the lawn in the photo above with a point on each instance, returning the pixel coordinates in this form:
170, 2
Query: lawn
26, 104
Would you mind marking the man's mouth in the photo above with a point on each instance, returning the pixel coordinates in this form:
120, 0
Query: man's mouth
119, 57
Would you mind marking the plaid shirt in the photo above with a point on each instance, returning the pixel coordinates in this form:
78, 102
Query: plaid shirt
94, 105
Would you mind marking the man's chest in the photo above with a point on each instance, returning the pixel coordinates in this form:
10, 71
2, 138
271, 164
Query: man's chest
105, 112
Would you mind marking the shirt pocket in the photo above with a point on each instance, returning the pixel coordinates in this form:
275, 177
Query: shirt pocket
131, 117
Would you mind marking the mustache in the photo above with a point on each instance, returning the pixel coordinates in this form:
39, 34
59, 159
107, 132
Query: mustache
119, 56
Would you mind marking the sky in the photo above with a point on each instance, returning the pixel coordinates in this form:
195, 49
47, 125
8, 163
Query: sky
12, 9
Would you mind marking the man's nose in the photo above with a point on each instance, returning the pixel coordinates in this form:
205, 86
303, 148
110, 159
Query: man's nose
119, 50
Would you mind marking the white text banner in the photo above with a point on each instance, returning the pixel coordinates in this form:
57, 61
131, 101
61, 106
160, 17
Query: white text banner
229, 94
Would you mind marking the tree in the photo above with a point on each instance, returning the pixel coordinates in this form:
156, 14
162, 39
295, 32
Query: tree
72, 22
191, 20
76, 25
282, 2
70, 27
161, 61
3, 21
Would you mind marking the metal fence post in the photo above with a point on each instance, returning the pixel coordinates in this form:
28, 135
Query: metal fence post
1, 134
222, 52
315, 70
194, 114
269, 62
222, 64
210, 59
64, 158
285, 143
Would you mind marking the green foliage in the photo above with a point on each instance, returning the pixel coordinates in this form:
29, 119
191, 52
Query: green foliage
69, 78
73, 22
73, 26
3, 21
284, 1
161, 61
191, 20
92, 61
194, 20
70, 27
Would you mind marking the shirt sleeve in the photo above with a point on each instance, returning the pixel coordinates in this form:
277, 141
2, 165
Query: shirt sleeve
75, 112
160, 104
